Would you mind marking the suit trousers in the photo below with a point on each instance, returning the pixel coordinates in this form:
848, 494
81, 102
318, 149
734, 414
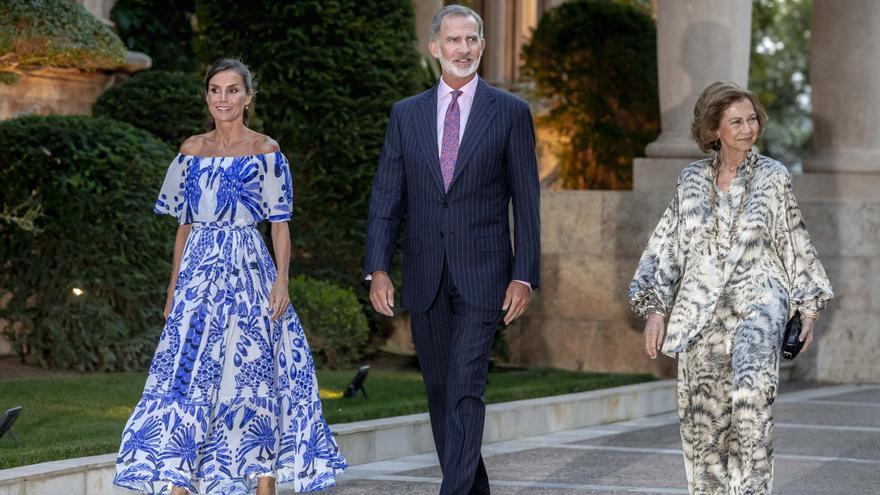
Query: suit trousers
453, 341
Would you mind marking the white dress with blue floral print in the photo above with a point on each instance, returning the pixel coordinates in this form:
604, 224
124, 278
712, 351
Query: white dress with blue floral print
230, 395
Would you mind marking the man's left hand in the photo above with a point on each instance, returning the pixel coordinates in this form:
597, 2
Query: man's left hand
516, 300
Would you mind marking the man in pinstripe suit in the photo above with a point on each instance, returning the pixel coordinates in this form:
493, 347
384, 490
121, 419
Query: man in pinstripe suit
455, 158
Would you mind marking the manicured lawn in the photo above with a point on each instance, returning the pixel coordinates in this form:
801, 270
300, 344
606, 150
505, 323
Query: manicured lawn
76, 416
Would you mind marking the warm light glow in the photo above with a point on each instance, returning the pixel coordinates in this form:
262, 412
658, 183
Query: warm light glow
77, 291
329, 394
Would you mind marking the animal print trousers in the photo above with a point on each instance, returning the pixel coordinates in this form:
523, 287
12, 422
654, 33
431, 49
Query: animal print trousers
727, 382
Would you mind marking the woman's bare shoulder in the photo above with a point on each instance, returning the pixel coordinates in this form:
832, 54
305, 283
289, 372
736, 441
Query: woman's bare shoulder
193, 145
264, 144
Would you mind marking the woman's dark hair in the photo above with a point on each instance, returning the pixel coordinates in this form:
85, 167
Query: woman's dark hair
242, 70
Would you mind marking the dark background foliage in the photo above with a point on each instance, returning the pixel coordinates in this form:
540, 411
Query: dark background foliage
327, 73
163, 29
170, 105
93, 182
595, 63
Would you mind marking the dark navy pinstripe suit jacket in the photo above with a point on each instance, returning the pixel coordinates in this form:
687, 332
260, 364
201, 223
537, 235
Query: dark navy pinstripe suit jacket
469, 225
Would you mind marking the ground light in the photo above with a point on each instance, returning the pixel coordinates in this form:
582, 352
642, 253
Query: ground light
357, 383
6, 421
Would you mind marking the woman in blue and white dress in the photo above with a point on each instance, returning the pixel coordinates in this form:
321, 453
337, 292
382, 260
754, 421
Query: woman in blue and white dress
231, 402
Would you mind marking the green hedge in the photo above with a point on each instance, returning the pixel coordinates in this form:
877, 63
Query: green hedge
595, 62
78, 194
55, 33
171, 105
163, 29
327, 74
335, 325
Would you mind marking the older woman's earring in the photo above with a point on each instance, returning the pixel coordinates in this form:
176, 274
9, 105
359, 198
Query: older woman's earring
716, 145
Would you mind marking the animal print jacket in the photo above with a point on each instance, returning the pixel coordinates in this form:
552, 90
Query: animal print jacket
680, 273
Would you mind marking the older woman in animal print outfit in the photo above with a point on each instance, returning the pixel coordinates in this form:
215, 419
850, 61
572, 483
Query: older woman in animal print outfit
728, 264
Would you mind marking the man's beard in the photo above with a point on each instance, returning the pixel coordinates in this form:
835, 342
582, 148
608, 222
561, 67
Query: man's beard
449, 67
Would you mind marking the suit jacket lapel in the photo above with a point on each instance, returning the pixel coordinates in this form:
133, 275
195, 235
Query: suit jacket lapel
426, 133
481, 115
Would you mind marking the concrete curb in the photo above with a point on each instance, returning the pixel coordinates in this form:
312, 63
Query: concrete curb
376, 440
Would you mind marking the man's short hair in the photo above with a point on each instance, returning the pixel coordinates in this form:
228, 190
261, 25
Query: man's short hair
457, 11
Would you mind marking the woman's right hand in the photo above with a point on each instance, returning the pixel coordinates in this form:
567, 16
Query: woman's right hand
654, 330
169, 303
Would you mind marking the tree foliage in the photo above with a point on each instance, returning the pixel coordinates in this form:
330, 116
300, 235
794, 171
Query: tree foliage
163, 29
594, 64
327, 74
86, 274
779, 75
171, 105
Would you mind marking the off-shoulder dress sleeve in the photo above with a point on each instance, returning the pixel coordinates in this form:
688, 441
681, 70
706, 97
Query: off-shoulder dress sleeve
809, 287
659, 272
277, 189
172, 197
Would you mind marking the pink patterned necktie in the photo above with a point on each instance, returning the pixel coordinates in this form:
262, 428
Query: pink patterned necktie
449, 147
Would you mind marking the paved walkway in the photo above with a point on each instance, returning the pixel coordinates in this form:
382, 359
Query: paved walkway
827, 443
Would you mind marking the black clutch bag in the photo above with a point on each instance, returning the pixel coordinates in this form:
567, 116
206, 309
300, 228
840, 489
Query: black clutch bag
791, 344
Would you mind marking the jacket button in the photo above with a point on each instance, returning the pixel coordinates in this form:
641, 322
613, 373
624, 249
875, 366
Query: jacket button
441, 235
445, 204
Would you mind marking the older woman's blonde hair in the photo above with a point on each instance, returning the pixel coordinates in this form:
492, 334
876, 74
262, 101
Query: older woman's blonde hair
711, 104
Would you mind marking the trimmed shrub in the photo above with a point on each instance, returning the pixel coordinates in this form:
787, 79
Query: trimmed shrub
595, 62
327, 72
334, 322
170, 105
86, 267
162, 29
55, 33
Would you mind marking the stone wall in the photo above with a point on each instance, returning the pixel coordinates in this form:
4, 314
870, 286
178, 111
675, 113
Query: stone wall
580, 318
53, 92
844, 220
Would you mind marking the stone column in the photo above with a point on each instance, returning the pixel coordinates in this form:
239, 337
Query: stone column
845, 76
99, 8
528, 13
698, 42
839, 192
425, 10
498, 42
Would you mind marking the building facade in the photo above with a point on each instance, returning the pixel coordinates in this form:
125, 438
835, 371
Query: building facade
592, 239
